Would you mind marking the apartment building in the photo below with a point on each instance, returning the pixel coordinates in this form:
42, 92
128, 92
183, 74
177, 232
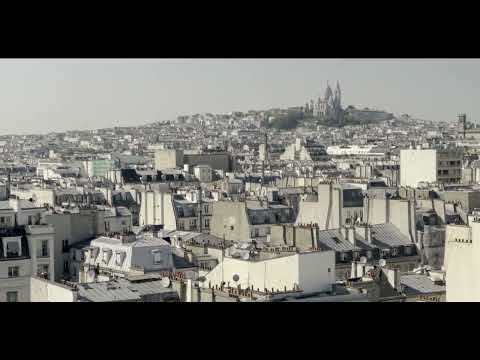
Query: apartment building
461, 261
174, 211
332, 205
26, 249
121, 255
248, 219
430, 166
350, 243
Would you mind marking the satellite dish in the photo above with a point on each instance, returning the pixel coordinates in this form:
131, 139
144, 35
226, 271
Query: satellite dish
363, 260
382, 262
246, 256
166, 282
236, 277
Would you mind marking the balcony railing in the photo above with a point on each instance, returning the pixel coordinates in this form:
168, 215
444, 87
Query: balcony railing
12, 231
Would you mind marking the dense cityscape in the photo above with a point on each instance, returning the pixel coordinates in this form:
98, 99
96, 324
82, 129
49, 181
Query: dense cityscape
323, 202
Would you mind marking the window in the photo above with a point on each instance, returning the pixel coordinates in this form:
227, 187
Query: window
329, 270
65, 245
13, 249
157, 257
66, 267
4, 221
107, 253
42, 270
207, 223
352, 198
13, 271
193, 223
30, 220
180, 225
44, 248
120, 256
93, 253
256, 232
12, 296
205, 209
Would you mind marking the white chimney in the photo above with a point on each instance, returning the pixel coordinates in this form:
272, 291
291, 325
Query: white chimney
354, 272
351, 236
368, 234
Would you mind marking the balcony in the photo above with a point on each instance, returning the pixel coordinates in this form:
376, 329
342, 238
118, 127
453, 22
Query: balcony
12, 231
43, 254
40, 229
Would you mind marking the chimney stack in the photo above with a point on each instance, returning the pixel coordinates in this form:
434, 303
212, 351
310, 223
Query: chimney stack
351, 235
365, 230
368, 233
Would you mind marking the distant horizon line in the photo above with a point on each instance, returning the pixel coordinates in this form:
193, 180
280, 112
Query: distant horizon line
198, 113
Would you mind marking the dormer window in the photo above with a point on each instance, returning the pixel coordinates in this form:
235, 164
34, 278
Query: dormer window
119, 258
408, 250
5, 221
13, 248
157, 257
107, 254
94, 252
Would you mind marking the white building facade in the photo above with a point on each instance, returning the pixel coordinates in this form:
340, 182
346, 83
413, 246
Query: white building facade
26, 249
430, 166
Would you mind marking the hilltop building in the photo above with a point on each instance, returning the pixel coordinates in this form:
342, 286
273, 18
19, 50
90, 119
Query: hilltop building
329, 107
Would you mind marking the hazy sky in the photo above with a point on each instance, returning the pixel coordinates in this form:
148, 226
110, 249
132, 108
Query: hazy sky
39, 96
